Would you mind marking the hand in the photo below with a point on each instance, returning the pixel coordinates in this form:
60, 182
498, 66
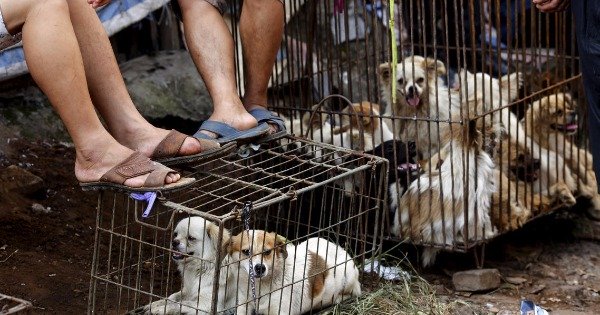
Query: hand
97, 3
548, 6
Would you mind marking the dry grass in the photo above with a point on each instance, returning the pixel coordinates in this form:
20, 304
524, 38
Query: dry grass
411, 297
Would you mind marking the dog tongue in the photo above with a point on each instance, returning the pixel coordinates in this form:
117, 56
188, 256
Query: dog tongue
571, 127
413, 101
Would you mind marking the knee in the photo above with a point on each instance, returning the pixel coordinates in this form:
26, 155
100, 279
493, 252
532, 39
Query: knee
260, 4
56, 6
194, 6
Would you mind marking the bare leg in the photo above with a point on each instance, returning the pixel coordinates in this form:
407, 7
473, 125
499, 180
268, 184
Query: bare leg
107, 88
55, 63
261, 30
211, 47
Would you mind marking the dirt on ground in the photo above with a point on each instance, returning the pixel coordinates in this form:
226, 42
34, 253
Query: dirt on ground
46, 249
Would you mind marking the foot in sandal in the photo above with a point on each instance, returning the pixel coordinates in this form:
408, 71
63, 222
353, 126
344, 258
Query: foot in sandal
113, 166
172, 147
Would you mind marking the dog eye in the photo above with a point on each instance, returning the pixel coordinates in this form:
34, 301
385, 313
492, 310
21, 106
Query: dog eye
246, 252
420, 80
559, 112
175, 234
400, 81
267, 252
191, 238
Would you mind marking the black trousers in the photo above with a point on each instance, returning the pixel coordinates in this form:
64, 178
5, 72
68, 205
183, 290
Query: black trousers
587, 20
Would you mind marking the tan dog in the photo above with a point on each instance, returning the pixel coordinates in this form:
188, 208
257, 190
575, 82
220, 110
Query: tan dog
420, 94
552, 121
367, 130
292, 279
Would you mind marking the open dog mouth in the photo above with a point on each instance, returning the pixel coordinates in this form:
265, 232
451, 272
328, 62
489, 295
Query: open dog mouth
180, 256
566, 128
413, 99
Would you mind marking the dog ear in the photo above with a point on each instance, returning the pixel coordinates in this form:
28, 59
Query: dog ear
510, 85
385, 72
212, 230
280, 245
434, 66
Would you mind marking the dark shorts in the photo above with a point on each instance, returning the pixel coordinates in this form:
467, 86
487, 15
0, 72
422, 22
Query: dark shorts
220, 5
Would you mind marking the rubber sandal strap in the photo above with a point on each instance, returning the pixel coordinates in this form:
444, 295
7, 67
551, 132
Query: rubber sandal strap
266, 116
222, 130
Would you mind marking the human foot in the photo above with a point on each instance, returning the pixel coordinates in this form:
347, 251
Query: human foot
92, 164
263, 115
241, 120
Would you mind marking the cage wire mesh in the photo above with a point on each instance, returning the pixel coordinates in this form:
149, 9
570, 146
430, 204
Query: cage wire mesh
488, 127
318, 204
484, 132
12, 305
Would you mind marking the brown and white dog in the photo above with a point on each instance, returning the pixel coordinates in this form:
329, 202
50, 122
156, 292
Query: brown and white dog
435, 209
196, 251
520, 171
552, 121
291, 279
421, 94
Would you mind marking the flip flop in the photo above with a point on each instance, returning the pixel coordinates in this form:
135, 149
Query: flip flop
266, 117
136, 165
226, 134
167, 150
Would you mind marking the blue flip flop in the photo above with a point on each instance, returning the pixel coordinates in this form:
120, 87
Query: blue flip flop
226, 134
266, 117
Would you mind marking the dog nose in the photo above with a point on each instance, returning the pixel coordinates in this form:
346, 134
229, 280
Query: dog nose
260, 270
411, 90
175, 243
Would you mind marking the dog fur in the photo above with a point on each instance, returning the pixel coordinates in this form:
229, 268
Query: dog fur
551, 121
433, 208
280, 268
195, 245
420, 94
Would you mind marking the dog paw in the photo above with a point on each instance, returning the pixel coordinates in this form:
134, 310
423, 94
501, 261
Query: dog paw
566, 198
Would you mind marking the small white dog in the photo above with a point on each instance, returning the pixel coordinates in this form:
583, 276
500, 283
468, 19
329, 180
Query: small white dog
195, 241
421, 94
291, 279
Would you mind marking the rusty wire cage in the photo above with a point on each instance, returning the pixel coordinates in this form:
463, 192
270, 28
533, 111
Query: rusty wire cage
501, 84
12, 305
301, 190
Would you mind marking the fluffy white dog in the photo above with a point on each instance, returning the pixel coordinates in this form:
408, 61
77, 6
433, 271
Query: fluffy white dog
195, 242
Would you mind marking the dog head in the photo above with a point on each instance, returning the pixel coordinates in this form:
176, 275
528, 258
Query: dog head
555, 111
519, 161
262, 251
362, 116
483, 86
196, 239
414, 76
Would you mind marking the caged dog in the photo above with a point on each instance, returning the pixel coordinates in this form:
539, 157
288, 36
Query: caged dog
435, 208
421, 94
291, 279
552, 121
196, 249
496, 93
519, 168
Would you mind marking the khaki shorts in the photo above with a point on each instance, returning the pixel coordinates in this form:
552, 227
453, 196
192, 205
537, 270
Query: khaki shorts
221, 5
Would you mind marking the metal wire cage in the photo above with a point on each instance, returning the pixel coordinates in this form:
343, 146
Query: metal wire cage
491, 80
335, 197
12, 305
